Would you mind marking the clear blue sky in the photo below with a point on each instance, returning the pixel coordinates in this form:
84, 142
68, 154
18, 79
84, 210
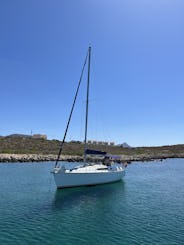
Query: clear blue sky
137, 73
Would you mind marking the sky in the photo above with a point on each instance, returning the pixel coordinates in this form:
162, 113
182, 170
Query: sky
137, 74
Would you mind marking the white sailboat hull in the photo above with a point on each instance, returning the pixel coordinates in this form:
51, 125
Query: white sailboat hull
63, 179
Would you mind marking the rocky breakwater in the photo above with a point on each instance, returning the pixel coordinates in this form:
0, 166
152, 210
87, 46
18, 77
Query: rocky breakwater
71, 158
36, 158
43, 158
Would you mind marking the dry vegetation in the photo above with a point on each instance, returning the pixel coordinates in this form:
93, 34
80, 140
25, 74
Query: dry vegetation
21, 145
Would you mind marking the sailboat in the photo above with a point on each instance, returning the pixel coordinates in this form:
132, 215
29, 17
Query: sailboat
86, 173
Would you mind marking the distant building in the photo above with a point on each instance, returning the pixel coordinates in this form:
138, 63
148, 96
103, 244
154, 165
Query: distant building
40, 136
95, 142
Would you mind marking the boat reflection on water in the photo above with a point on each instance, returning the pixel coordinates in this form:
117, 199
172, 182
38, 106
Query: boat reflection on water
79, 196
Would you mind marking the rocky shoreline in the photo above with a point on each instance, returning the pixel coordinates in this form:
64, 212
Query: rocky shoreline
6, 158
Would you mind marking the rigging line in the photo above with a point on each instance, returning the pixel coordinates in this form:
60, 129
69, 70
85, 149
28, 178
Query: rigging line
63, 141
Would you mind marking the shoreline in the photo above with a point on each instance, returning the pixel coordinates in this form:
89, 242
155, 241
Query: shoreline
11, 158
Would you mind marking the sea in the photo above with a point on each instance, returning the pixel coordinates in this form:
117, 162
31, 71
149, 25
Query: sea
146, 207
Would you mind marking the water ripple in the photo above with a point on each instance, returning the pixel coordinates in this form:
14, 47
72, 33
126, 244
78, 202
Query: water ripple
145, 208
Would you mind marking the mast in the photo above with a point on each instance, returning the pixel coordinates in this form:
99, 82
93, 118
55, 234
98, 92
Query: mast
87, 102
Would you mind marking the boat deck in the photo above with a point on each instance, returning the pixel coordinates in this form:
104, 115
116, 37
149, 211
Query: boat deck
94, 169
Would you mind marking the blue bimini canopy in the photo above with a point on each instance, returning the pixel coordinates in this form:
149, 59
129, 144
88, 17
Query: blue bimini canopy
94, 152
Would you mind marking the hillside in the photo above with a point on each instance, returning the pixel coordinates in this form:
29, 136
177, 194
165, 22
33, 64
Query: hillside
21, 145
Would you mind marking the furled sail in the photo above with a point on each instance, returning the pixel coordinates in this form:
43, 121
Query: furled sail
95, 152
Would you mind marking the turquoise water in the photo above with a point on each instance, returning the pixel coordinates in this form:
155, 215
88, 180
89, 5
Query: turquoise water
147, 207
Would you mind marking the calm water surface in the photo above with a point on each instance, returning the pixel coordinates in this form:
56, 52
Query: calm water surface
147, 207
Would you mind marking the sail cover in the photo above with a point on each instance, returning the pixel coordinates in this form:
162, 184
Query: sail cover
95, 152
